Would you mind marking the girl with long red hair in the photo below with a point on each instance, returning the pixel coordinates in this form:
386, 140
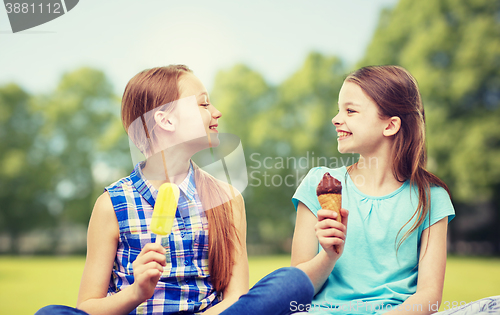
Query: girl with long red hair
201, 267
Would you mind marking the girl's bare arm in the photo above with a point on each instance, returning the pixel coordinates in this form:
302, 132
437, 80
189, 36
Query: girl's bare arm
431, 270
310, 232
102, 240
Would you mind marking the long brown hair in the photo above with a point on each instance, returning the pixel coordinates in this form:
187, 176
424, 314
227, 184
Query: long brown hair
150, 90
395, 91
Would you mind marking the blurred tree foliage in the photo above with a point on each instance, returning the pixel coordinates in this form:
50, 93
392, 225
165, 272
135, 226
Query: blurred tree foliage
59, 150
24, 171
284, 130
51, 146
81, 131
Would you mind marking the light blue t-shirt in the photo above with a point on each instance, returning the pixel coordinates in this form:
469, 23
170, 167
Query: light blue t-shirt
369, 272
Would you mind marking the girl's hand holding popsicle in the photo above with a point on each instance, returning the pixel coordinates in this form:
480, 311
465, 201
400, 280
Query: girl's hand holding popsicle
148, 268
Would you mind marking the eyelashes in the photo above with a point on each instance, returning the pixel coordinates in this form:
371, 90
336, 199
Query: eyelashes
348, 110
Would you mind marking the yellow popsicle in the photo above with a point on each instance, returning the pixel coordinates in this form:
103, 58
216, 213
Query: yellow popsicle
164, 210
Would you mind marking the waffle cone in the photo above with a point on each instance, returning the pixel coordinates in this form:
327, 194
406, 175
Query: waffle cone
332, 202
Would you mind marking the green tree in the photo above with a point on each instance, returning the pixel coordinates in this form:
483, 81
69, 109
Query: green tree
23, 173
307, 103
240, 94
284, 130
57, 151
79, 128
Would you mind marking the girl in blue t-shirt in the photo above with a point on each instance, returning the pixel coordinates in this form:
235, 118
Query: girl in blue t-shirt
395, 213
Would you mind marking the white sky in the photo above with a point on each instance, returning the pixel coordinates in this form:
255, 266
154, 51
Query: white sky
124, 37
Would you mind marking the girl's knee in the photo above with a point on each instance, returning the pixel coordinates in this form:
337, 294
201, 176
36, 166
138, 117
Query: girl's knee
49, 309
59, 310
293, 274
297, 283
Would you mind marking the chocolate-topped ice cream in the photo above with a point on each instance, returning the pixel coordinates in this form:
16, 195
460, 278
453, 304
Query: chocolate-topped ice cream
329, 192
329, 185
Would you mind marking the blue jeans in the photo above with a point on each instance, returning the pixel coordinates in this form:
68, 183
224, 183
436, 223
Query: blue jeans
273, 295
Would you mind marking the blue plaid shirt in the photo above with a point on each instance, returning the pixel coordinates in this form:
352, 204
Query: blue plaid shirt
185, 284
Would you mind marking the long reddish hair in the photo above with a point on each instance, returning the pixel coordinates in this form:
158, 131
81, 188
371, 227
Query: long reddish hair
395, 91
150, 90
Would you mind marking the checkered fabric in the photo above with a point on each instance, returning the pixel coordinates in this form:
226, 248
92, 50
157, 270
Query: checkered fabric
185, 284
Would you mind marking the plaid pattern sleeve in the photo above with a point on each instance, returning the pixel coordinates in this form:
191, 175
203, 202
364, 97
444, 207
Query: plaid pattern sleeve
185, 284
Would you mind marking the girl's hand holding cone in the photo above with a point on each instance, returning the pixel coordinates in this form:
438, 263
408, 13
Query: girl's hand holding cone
331, 234
329, 192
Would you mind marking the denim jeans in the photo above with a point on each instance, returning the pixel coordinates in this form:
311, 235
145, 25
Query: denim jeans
273, 295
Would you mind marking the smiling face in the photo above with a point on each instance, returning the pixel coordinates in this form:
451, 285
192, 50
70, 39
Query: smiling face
190, 85
359, 126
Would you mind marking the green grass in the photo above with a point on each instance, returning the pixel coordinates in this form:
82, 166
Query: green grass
27, 284
470, 279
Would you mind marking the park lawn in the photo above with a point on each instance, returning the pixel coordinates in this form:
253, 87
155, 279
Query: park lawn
470, 279
28, 283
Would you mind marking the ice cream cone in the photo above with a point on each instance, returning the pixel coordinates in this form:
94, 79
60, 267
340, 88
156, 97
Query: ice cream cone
329, 192
331, 202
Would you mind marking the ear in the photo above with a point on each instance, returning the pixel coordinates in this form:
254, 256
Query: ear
392, 128
165, 121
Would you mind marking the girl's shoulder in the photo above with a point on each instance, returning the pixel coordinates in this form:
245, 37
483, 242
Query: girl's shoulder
440, 197
441, 206
438, 193
119, 184
122, 183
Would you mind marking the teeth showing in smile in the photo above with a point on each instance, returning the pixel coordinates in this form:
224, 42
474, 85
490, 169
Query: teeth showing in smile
342, 134
213, 127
